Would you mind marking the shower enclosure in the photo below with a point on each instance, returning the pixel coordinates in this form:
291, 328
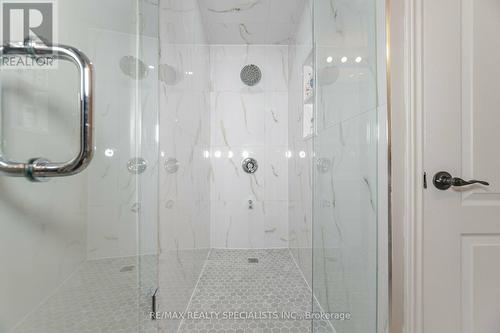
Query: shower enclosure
237, 178
78, 250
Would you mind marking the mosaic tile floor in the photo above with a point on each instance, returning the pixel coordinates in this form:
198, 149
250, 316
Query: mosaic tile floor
101, 297
231, 285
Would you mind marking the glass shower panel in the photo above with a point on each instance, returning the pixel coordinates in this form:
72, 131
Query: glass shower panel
147, 127
184, 150
72, 248
345, 164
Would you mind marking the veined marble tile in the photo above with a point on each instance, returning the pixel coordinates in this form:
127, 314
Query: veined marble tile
352, 36
300, 184
228, 60
229, 11
276, 68
184, 227
276, 173
180, 22
286, 11
184, 205
237, 226
230, 182
249, 122
237, 32
183, 67
353, 93
230, 224
189, 111
181, 152
346, 217
274, 232
238, 119
252, 22
352, 24
112, 189
276, 119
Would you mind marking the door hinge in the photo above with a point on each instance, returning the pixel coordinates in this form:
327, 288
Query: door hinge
154, 304
425, 180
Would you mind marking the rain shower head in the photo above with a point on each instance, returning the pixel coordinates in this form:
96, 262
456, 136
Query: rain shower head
250, 75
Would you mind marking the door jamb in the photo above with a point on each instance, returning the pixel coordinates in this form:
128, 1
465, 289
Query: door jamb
414, 144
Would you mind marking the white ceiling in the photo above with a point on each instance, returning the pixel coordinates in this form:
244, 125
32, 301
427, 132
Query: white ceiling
251, 21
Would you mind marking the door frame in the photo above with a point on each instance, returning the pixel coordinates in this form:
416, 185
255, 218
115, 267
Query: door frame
406, 177
412, 180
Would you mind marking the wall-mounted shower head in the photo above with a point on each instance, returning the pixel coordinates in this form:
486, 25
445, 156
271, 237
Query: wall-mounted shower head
250, 75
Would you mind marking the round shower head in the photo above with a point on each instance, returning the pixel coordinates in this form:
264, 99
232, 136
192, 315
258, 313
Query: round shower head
250, 75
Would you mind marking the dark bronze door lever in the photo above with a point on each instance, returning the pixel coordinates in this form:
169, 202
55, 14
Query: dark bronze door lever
443, 181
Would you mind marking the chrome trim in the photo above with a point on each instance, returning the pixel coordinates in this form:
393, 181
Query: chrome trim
392, 327
34, 169
250, 165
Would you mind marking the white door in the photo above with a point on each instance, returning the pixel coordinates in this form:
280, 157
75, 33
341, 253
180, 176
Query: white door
461, 106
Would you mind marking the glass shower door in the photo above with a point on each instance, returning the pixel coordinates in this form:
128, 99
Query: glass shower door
77, 252
345, 167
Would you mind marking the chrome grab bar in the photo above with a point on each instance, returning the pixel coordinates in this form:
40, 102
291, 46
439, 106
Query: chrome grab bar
37, 169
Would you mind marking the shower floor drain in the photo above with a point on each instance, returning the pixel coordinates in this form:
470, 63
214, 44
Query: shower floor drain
253, 260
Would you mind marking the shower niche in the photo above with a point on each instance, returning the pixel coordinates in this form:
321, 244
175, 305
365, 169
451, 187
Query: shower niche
308, 98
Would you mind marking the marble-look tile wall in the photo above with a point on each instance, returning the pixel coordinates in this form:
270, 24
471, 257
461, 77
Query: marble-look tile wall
250, 22
249, 122
300, 186
47, 230
116, 201
184, 168
345, 167
184, 129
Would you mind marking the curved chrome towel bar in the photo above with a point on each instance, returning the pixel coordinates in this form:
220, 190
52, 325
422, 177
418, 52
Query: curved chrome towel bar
37, 169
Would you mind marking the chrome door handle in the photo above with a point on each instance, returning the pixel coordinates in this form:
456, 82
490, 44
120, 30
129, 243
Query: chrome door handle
443, 181
37, 169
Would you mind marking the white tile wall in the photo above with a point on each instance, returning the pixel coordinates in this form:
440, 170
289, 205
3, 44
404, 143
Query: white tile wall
345, 221
48, 229
263, 21
299, 168
253, 122
345, 195
184, 135
113, 197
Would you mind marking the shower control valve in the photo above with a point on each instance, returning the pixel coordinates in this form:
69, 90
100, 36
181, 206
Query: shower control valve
250, 165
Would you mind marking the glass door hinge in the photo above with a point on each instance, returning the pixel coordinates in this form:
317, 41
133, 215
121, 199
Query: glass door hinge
154, 304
